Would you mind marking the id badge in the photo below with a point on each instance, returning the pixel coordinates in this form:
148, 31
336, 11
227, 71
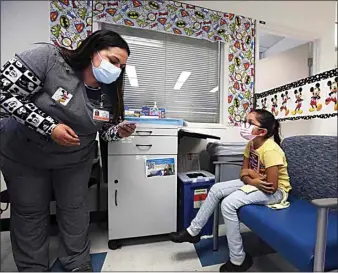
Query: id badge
101, 115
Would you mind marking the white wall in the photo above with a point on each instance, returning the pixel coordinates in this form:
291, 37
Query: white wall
313, 18
290, 16
299, 20
22, 24
305, 18
283, 45
285, 67
2, 187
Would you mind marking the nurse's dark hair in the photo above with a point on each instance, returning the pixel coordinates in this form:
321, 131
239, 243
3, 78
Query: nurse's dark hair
268, 122
80, 58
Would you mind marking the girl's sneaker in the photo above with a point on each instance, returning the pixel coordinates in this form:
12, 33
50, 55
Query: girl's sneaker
230, 267
183, 237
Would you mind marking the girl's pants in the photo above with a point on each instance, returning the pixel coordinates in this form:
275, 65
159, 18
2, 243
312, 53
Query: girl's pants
30, 192
234, 198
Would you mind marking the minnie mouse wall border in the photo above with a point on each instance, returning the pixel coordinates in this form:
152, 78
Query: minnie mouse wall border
312, 97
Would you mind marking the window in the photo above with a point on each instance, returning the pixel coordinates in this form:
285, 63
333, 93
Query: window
180, 74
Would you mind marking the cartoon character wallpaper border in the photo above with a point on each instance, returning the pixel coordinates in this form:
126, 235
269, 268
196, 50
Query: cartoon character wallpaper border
71, 22
312, 97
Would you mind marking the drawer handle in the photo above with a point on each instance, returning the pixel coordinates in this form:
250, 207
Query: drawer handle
116, 198
147, 132
144, 145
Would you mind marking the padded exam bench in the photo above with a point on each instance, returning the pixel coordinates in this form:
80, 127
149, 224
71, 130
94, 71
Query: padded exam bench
292, 232
306, 233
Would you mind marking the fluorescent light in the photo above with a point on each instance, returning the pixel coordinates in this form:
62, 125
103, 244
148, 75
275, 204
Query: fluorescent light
133, 82
131, 72
184, 76
181, 80
214, 90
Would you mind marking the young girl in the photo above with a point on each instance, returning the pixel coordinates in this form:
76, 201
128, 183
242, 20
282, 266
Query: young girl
263, 180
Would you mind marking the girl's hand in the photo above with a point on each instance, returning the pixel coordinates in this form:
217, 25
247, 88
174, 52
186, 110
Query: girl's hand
65, 136
244, 172
253, 174
263, 185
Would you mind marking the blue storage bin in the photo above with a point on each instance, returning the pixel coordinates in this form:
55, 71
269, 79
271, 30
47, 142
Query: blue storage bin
192, 190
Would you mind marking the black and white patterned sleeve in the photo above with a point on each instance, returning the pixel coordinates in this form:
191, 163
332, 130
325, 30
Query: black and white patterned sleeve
109, 132
18, 83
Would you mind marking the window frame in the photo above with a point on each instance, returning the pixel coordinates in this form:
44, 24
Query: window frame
336, 36
223, 87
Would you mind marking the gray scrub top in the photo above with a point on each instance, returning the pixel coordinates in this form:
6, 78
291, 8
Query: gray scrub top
26, 146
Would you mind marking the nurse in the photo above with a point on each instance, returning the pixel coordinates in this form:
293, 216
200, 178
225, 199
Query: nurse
57, 100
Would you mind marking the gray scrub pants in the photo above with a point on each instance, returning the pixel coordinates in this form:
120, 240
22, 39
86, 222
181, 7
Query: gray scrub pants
233, 200
30, 193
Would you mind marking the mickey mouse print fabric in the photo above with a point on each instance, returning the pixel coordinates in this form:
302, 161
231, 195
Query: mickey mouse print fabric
18, 84
312, 97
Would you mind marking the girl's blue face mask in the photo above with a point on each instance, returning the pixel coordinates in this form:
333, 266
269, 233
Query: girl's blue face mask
106, 73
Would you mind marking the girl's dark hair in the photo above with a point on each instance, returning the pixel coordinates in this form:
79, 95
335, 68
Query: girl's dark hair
268, 122
81, 57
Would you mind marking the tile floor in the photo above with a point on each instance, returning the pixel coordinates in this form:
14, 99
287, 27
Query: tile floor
146, 254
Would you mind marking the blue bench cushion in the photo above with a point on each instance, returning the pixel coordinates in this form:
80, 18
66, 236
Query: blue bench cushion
292, 232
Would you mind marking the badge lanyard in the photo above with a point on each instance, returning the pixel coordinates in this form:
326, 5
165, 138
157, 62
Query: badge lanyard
101, 100
101, 114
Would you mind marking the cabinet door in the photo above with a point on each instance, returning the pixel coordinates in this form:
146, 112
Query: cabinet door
137, 205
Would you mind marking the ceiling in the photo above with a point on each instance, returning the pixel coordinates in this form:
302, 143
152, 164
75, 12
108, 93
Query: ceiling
270, 44
268, 40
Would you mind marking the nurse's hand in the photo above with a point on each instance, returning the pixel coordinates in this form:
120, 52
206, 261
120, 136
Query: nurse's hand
125, 129
65, 136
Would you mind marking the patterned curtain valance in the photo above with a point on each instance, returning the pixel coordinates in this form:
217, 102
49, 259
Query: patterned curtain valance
312, 97
177, 18
71, 22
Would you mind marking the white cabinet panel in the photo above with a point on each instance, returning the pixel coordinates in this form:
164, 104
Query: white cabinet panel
144, 145
142, 131
137, 205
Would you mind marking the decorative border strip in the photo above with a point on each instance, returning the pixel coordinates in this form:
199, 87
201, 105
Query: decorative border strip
315, 78
318, 92
322, 116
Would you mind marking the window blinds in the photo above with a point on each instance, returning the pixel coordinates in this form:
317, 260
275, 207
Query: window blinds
158, 60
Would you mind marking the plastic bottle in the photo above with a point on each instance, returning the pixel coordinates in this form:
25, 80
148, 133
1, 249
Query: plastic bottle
155, 110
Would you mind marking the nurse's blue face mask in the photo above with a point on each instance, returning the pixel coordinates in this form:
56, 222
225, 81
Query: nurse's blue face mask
106, 72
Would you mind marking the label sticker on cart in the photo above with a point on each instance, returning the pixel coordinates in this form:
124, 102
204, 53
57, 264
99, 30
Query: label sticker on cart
160, 167
199, 196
